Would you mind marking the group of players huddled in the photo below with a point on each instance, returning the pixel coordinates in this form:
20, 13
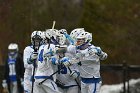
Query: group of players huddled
58, 62
62, 63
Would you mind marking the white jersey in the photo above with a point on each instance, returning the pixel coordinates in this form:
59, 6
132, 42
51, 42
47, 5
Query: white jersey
64, 75
28, 68
90, 64
26, 56
44, 67
45, 70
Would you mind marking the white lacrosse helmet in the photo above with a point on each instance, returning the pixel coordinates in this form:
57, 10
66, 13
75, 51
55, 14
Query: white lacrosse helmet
63, 31
84, 37
36, 34
51, 33
60, 37
13, 46
74, 33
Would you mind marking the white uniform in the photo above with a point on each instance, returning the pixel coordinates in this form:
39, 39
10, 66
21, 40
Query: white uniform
89, 68
69, 85
28, 69
44, 70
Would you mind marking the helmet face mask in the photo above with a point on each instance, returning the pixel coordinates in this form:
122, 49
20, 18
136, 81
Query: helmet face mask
12, 51
62, 39
37, 38
83, 39
37, 42
13, 48
80, 41
57, 39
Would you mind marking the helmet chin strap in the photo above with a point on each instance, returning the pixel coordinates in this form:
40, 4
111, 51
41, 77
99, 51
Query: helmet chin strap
83, 46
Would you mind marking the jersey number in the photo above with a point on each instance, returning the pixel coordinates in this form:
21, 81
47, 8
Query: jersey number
63, 70
41, 55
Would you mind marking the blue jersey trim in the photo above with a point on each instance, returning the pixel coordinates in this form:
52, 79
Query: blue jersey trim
13, 78
90, 80
43, 77
11, 61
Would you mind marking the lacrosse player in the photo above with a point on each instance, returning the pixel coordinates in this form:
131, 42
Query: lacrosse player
88, 57
29, 57
66, 78
14, 70
45, 68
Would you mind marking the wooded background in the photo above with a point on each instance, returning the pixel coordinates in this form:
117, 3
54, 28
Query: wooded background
115, 24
